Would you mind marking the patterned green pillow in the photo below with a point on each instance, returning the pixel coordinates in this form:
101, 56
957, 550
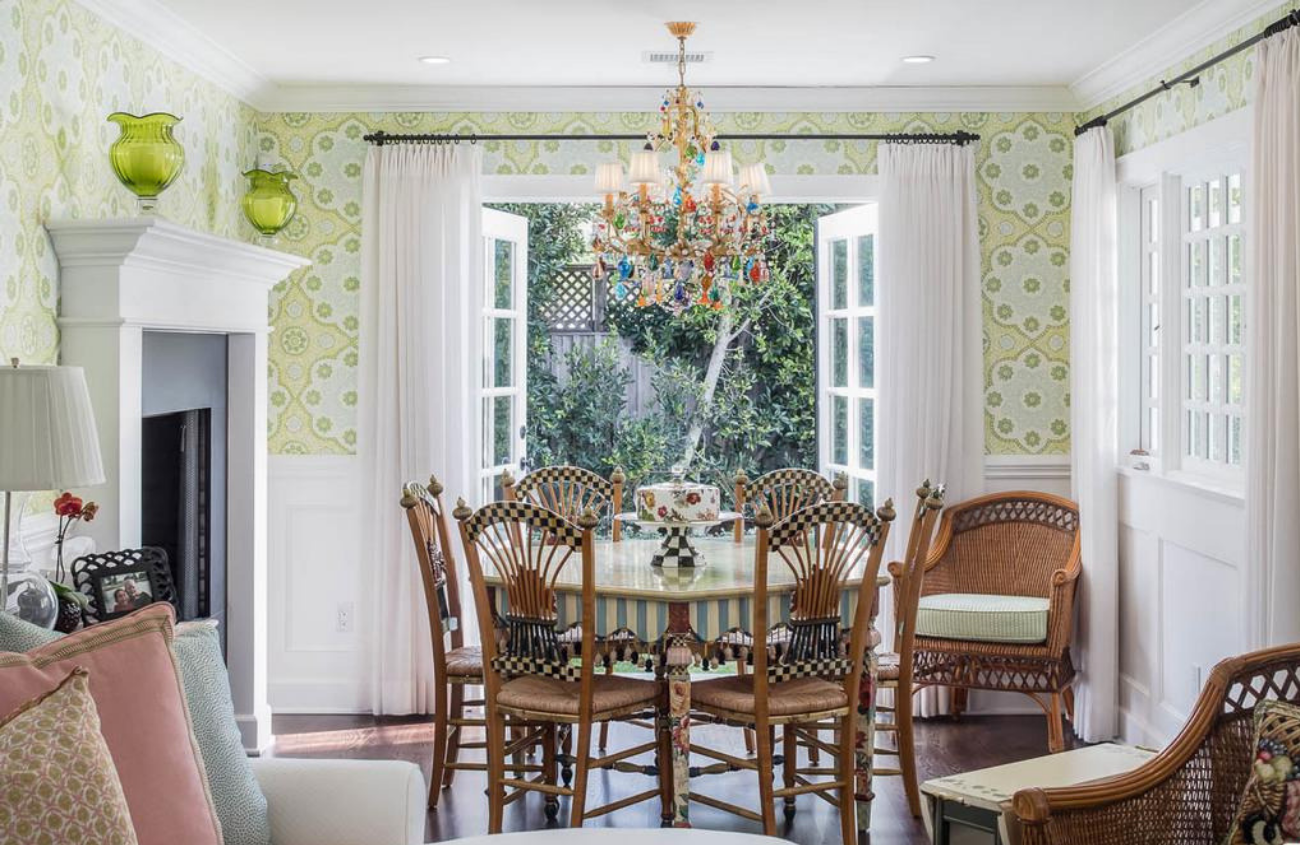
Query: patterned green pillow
241, 807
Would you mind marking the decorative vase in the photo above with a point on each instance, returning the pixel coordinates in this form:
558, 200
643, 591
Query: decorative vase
269, 204
146, 157
69, 618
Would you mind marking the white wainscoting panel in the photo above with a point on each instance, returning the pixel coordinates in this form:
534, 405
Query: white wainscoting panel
314, 667
318, 661
1181, 598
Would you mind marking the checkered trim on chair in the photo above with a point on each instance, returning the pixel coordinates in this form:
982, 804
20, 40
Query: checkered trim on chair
534, 516
822, 667
792, 477
512, 666
564, 474
792, 530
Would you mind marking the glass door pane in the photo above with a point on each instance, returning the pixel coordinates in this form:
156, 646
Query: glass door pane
846, 348
503, 408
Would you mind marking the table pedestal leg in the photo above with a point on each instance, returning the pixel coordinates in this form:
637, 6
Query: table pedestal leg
865, 742
679, 726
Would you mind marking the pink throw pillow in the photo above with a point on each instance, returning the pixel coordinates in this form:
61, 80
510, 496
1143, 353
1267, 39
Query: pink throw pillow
143, 717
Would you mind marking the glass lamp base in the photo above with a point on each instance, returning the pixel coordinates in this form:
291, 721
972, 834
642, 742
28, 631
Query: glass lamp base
32, 599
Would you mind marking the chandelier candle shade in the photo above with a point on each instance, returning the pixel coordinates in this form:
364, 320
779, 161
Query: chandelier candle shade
667, 242
146, 157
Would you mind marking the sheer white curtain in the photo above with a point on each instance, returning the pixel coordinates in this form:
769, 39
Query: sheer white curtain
421, 292
931, 413
1273, 355
1094, 427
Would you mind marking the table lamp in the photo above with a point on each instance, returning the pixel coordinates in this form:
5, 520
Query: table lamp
48, 441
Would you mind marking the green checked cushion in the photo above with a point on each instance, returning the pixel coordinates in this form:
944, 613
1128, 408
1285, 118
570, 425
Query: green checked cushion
238, 799
983, 618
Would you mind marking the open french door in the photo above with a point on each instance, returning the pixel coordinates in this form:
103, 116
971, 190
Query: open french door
504, 391
846, 349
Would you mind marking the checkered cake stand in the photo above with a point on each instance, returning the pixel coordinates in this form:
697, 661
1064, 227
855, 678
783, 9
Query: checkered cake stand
677, 551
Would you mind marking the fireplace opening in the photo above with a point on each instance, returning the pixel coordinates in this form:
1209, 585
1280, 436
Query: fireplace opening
183, 467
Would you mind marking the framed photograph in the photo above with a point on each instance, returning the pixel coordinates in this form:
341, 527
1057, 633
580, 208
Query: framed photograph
117, 592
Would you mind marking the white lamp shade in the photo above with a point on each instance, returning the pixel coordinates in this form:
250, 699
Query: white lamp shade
48, 438
645, 168
753, 180
609, 178
717, 168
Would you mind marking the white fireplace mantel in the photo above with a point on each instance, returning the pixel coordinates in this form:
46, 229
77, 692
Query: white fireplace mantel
120, 278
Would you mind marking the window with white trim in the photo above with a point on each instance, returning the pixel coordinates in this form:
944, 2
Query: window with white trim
1189, 290
1213, 288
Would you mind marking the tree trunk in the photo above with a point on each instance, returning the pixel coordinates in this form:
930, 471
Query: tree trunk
721, 346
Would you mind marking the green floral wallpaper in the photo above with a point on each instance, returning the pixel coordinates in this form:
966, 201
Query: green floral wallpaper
1024, 163
1224, 88
62, 71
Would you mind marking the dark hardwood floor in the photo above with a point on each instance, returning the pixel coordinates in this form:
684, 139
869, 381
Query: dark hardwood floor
943, 747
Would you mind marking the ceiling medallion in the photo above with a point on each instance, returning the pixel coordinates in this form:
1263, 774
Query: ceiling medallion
687, 235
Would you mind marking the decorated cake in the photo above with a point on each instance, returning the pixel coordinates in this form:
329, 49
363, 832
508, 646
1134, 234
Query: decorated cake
677, 502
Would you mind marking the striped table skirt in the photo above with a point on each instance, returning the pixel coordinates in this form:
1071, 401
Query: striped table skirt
649, 618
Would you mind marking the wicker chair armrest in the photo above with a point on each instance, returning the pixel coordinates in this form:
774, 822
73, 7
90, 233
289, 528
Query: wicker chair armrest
1060, 609
1151, 805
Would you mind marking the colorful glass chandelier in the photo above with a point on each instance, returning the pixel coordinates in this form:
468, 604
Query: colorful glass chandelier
685, 236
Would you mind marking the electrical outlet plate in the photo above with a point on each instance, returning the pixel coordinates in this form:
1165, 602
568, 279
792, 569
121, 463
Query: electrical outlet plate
345, 614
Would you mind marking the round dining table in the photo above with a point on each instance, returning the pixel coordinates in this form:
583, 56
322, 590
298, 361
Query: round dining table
689, 608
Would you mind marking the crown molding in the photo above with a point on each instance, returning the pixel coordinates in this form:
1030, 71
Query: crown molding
373, 98
1194, 30
170, 34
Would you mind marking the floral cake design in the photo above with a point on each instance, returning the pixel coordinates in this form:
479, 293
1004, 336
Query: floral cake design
678, 502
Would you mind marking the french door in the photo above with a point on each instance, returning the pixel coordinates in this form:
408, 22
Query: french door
846, 349
504, 381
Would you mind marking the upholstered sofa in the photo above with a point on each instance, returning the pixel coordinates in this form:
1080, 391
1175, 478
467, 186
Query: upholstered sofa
343, 802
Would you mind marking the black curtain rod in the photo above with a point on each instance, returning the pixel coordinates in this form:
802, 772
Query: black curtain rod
1192, 78
959, 138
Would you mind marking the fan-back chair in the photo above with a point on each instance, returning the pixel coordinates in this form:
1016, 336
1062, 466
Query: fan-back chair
815, 678
782, 492
997, 602
456, 665
570, 491
1189, 793
896, 668
528, 670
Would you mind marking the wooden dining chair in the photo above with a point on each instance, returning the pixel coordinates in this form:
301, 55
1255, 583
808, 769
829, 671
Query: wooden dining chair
782, 492
815, 678
529, 672
455, 664
570, 491
895, 671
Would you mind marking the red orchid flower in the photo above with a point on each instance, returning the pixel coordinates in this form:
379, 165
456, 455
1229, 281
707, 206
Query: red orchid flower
67, 505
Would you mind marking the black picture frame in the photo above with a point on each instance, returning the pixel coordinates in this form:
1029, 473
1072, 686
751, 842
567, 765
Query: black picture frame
90, 574
107, 581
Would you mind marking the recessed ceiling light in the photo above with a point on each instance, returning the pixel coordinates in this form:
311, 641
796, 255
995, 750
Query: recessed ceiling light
917, 60
435, 60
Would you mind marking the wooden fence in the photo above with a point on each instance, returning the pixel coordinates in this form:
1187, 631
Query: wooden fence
576, 317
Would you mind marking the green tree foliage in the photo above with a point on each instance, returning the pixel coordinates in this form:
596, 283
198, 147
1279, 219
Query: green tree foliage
762, 414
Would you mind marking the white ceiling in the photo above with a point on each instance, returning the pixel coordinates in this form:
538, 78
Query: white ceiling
753, 42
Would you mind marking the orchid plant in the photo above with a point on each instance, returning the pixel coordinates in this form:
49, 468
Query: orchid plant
70, 509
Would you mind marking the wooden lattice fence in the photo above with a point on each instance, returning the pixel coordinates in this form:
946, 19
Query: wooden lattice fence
576, 318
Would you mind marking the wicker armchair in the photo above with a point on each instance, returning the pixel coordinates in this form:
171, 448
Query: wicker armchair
1018, 544
1189, 793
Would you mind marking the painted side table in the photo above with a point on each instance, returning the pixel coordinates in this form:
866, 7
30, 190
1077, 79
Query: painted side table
698, 605
975, 807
